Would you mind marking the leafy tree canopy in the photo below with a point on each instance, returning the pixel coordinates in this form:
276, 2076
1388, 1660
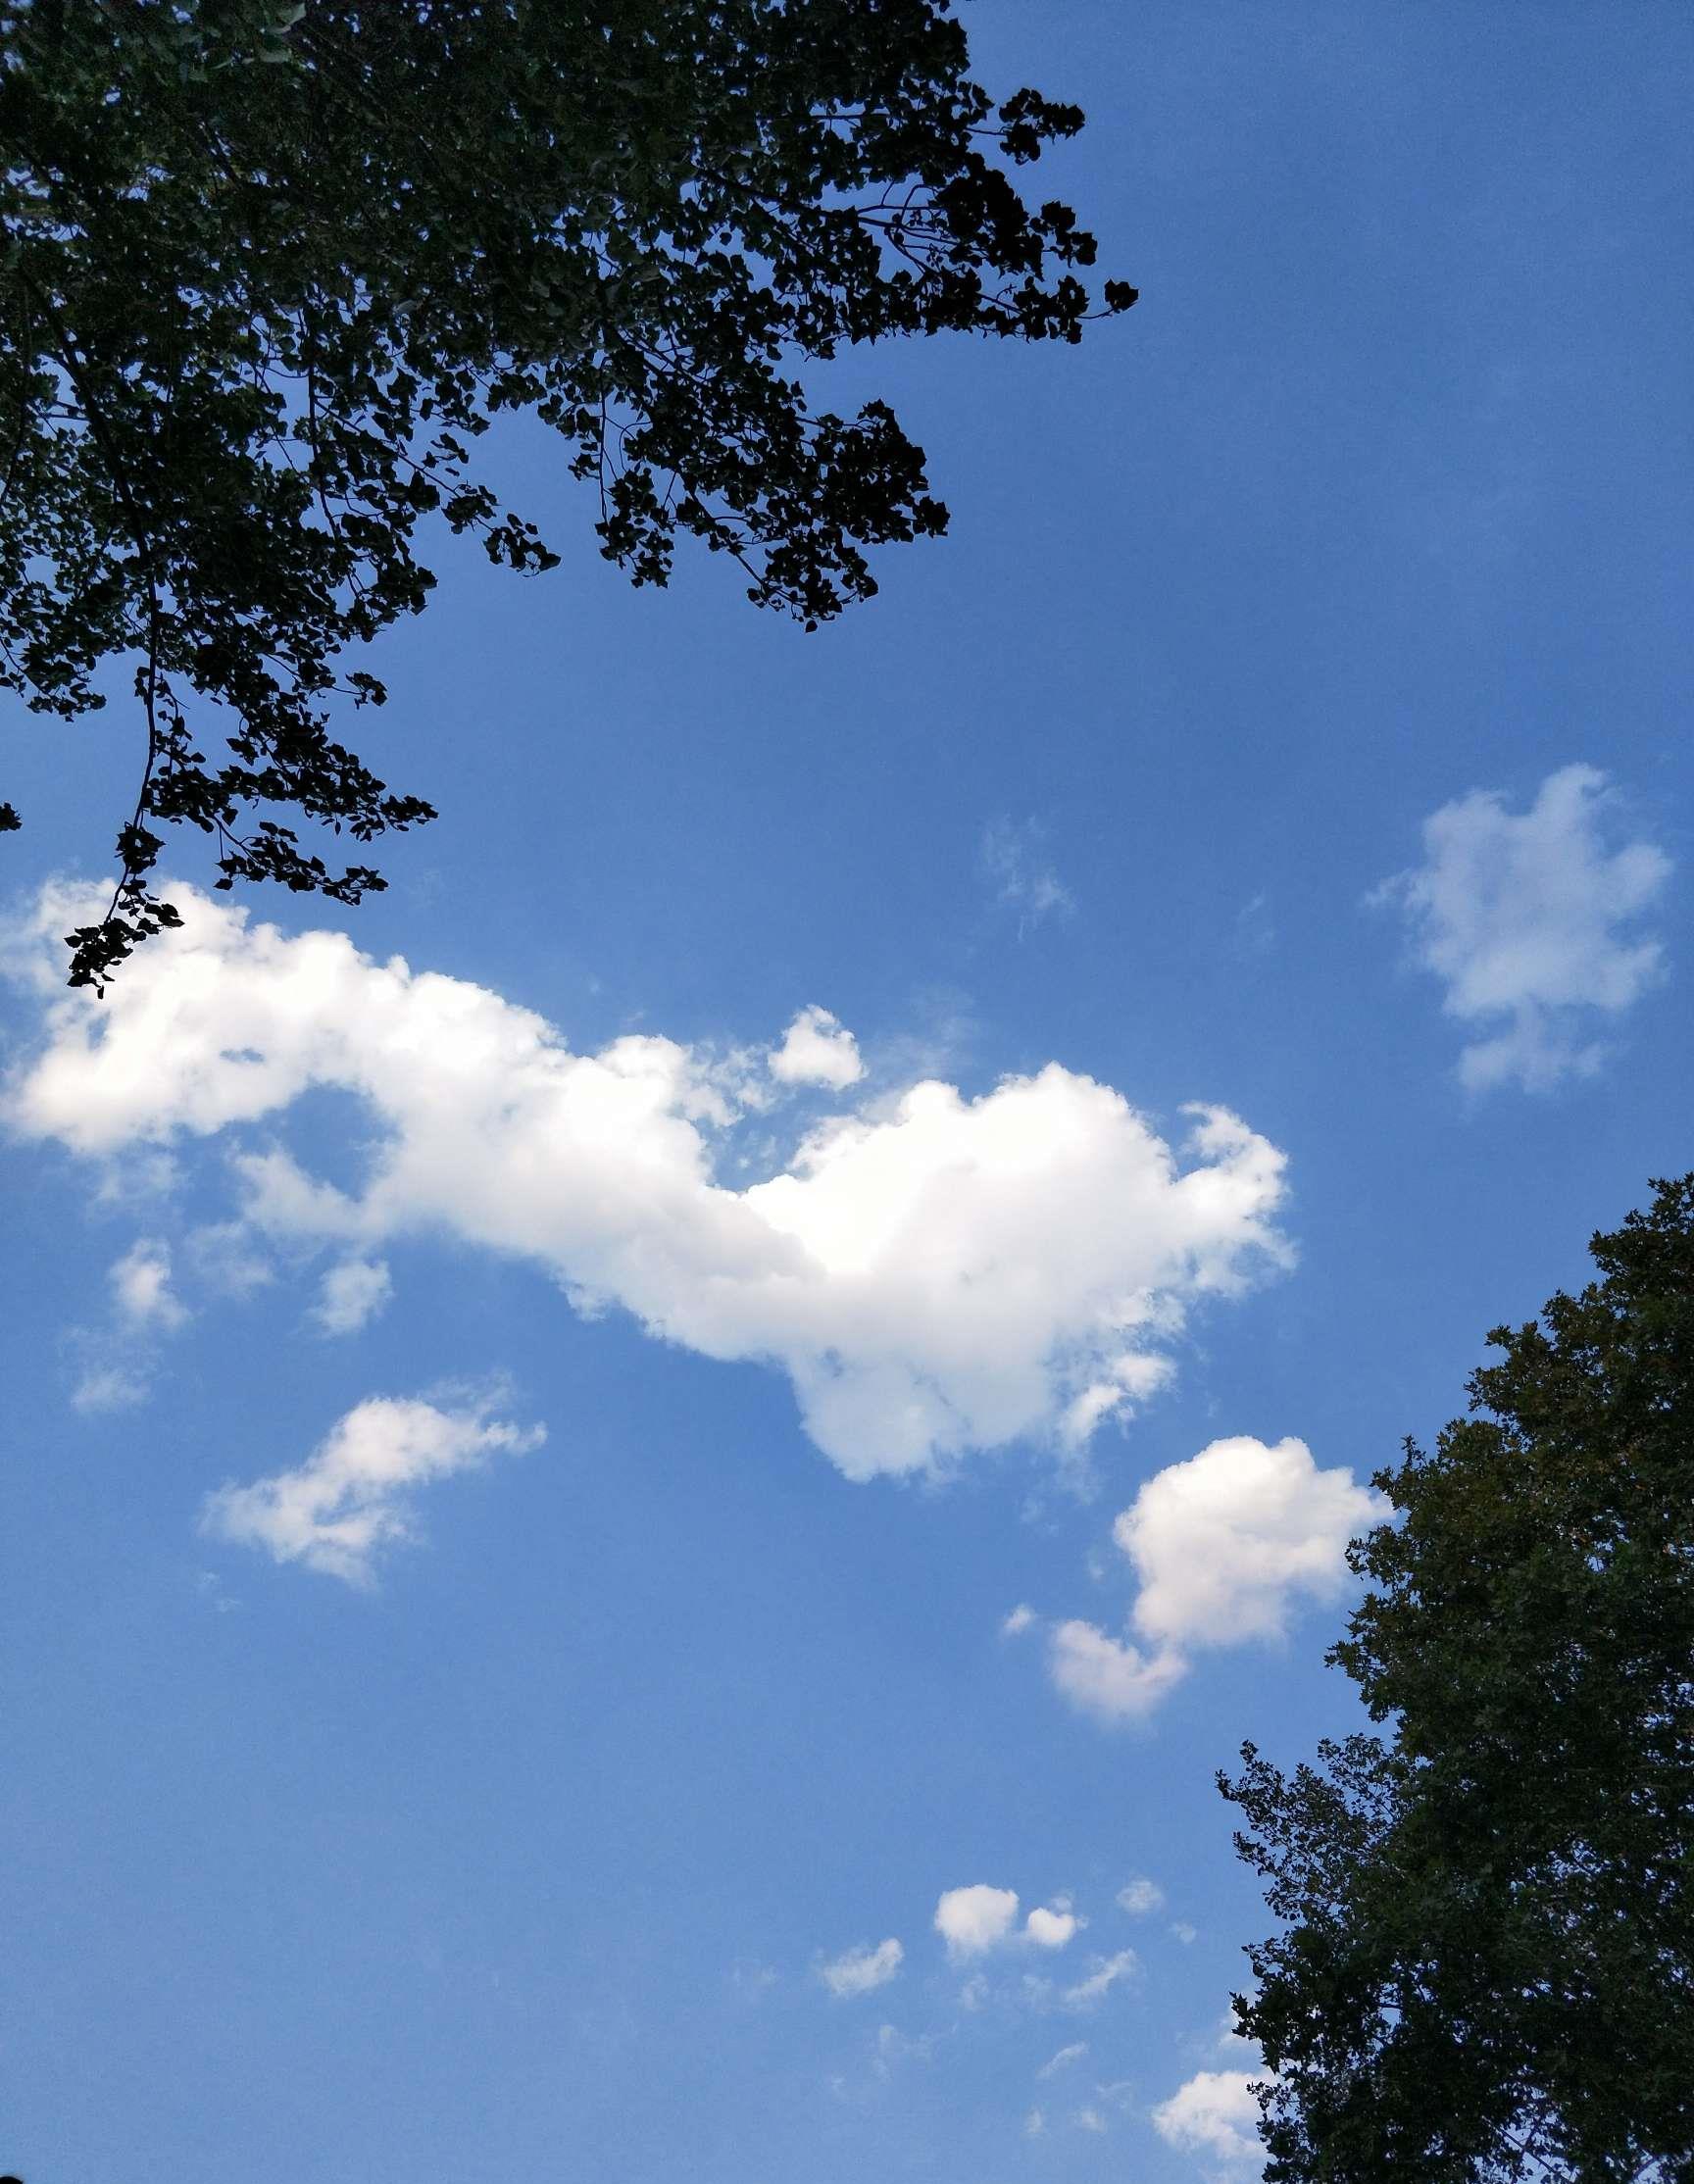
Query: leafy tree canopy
1487, 1967
268, 271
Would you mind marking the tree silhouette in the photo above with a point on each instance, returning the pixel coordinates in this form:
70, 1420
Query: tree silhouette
1487, 1965
267, 271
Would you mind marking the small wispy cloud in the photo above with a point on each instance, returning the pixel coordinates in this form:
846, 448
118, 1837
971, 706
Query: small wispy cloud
118, 1361
141, 1288
1106, 1972
1013, 860
860, 1970
1255, 934
1530, 919
350, 1500
894, 2047
104, 1388
352, 1293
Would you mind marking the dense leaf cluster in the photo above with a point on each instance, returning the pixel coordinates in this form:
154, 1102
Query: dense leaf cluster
267, 271
1487, 1968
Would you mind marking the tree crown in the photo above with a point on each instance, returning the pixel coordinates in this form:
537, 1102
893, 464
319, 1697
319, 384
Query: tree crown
1487, 1965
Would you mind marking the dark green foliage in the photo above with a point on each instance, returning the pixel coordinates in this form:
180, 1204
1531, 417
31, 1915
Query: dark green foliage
268, 271
1487, 1968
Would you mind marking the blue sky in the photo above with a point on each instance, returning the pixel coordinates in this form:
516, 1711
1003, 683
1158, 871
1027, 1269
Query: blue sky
511, 1534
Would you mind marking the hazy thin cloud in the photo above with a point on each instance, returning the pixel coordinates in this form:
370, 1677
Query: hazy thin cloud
1533, 920
1013, 862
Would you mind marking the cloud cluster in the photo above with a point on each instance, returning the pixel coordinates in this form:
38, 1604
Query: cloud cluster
1222, 1546
976, 1920
350, 1499
1529, 919
934, 1273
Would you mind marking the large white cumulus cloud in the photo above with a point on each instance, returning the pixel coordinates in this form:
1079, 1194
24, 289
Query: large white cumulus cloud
934, 1273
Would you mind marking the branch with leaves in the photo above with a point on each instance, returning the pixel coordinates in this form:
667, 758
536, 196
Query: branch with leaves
269, 271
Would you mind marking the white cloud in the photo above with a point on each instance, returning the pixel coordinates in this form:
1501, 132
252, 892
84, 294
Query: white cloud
210, 1586
1089, 2119
892, 2046
1013, 862
117, 1363
1214, 2114
855, 1971
1106, 1972
1223, 1542
971, 1920
936, 1274
1528, 918
349, 1499
1255, 932
1051, 1927
1222, 1546
102, 1388
1104, 1676
1063, 2060
1140, 1896
142, 1285
352, 1292
227, 1259
1018, 1622
816, 1050
1034, 2123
